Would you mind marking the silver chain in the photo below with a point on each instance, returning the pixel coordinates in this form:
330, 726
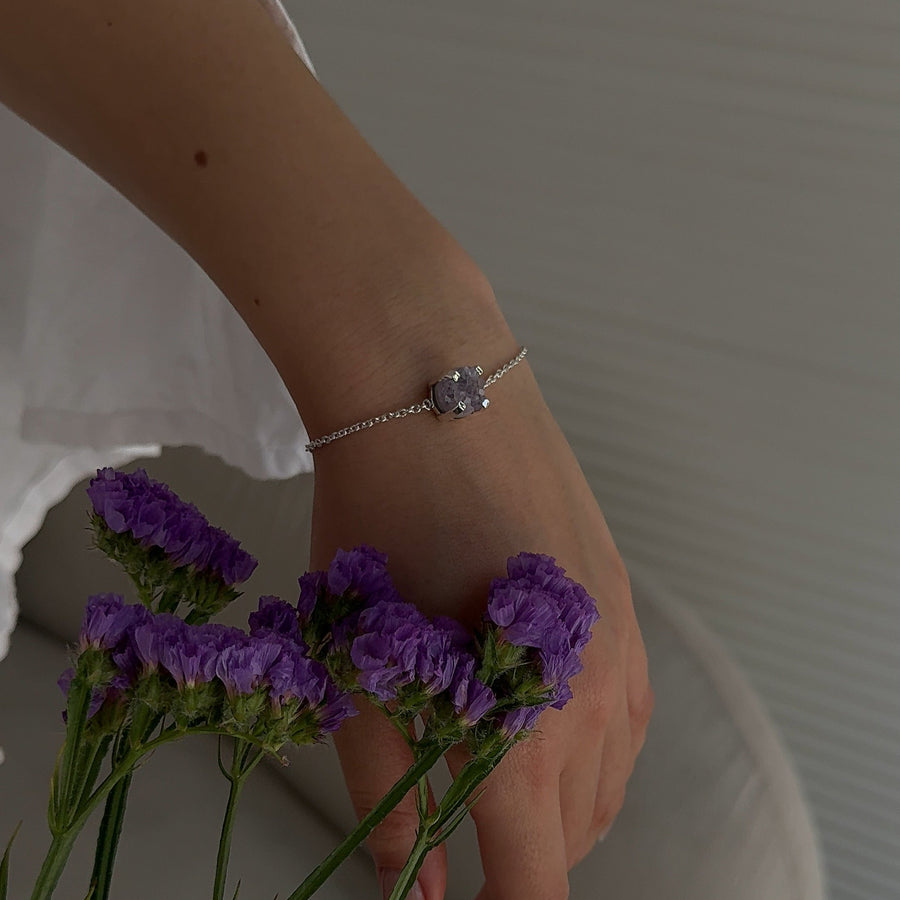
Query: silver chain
421, 406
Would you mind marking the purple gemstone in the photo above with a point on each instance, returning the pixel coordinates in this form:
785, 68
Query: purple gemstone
468, 388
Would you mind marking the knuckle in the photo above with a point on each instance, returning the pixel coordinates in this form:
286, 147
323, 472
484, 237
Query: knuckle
641, 710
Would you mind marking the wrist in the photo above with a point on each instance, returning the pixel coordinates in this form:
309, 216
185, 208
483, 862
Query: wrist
401, 340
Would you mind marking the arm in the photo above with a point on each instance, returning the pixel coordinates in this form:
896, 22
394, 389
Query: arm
202, 115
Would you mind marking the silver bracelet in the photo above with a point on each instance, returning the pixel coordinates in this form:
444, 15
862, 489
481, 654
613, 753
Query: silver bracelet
455, 395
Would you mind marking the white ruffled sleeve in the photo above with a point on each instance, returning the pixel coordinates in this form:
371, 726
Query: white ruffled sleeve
114, 343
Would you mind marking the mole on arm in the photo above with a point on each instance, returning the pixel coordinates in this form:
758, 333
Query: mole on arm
200, 158
256, 301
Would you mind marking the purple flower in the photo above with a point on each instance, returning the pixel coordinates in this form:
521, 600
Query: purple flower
294, 676
242, 668
559, 663
517, 720
539, 607
472, 699
386, 646
524, 614
361, 572
336, 707
436, 658
312, 584
189, 656
274, 616
150, 639
221, 636
576, 608
157, 517
459, 636
385, 662
106, 619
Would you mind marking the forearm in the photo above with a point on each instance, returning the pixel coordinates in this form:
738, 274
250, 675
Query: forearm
201, 114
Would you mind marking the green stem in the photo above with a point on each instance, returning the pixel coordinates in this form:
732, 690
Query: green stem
61, 846
431, 831
321, 873
54, 863
142, 726
108, 839
240, 770
68, 790
416, 860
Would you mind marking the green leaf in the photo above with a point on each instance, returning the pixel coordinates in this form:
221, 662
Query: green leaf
237, 890
4, 865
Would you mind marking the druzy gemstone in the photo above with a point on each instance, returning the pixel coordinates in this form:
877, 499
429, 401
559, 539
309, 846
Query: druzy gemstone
466, 388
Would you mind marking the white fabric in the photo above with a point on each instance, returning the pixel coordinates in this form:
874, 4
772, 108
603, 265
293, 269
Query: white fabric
114, 343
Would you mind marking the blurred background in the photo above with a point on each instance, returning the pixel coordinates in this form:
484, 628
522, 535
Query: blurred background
690, 211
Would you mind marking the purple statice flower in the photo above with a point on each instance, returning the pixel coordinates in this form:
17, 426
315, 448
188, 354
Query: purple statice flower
274, 616
189, 656
106, 619
243, 667
386, 646
540, 607
157, 517
221, 636
294, 676
523, 613
436, 657
335, 708
472, 699
559, 663
517, 720
311, 586
151, 638
460, 637
576, 608
363, 573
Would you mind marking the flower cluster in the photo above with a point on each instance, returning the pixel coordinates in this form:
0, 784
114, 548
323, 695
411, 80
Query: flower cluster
156, 517
537, 623
260, 685
537, 618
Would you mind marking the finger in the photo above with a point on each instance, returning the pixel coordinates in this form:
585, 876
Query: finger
520, 833
616, 765
374, 757
578, 787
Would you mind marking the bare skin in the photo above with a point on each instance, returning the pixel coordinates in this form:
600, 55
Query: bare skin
201, 114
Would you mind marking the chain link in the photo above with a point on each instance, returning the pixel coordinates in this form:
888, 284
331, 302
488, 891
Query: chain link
506, 367
421, 406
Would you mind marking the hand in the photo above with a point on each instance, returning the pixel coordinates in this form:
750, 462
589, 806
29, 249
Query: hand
449, 503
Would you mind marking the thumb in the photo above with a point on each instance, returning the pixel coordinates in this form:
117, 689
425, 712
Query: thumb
374, 757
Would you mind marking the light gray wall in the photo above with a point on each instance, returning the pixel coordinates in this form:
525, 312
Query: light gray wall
689, 212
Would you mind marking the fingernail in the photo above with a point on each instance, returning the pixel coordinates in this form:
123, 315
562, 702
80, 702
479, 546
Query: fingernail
606, 831
389, 878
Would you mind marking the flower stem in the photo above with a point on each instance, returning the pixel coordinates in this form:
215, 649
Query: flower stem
436, 828
319, 875
240, 770
108, 838
64, 837
54, 863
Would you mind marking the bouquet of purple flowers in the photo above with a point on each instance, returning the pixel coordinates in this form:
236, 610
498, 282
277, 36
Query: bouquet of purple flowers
148, 673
